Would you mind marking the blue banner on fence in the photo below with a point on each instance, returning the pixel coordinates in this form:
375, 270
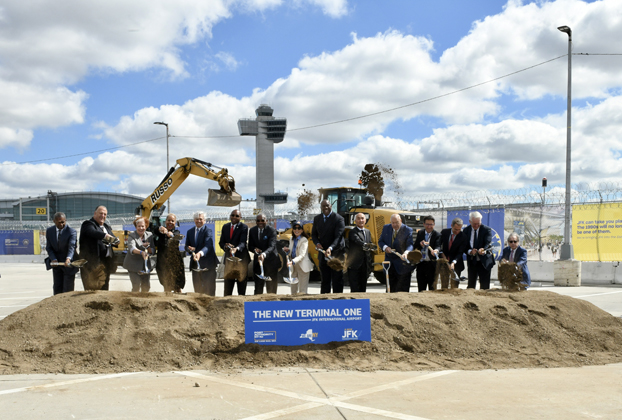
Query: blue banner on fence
494, 219
294, 323
13, 242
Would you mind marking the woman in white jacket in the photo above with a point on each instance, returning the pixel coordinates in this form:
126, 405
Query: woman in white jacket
301, 264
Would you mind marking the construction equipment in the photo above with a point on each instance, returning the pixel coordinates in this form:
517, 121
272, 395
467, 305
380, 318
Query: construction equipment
224, 197
348, 202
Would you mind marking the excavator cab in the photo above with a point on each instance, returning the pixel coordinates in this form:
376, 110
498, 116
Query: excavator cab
343, 199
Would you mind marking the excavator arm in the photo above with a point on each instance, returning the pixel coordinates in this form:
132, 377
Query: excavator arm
225, 197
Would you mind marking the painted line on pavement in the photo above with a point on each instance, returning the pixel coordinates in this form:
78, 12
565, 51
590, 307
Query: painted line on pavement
74, 381
314, 402
26, 298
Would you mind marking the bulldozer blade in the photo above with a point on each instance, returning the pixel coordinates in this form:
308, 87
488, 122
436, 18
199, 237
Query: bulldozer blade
222, 199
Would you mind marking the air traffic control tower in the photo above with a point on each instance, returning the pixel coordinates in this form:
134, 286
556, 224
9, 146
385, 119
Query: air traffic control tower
267, 131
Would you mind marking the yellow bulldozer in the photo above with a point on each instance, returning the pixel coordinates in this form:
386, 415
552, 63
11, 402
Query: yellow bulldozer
348, 202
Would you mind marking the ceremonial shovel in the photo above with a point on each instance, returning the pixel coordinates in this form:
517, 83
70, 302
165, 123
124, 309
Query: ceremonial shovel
386, 265
76, 263
198, 269
233, 258
290, 279
261, 276
146, 271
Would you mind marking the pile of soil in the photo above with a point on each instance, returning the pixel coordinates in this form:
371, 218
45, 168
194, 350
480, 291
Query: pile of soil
97, 332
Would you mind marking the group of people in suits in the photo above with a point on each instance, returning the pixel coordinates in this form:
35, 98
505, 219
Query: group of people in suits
238, 242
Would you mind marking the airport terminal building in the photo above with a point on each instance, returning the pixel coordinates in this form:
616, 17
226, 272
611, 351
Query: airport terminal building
76, 205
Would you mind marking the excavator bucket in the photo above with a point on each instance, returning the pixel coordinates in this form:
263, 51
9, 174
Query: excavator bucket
222, 199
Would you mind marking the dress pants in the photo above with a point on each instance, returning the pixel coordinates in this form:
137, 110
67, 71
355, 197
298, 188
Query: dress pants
272, 272
330, 278
204, 281
425, 275
140, 282
358, 278
63, 282
230, 284
399, 282
476, 269
303, 281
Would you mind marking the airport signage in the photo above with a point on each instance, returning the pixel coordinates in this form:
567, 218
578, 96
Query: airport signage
299, 322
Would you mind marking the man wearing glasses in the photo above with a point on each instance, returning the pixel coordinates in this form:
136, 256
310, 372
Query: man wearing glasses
233, 241
262, 241
517, 254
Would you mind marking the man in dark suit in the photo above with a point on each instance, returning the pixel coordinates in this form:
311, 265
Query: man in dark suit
170, 262
359, 261
479, 261
428, 241
61, 246
262, 241
95, 235
517, 254
200, 244
454, 244
233, 239
399, 237
327, 234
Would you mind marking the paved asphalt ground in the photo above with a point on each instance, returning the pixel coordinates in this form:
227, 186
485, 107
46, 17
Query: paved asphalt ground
593, 392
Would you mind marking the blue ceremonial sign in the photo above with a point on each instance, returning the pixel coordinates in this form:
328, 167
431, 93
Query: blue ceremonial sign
298, 322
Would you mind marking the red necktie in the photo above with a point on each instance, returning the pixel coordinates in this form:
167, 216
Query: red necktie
512, 256
231, 233
451, 241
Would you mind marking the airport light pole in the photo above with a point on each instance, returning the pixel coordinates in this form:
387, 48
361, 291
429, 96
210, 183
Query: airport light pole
566, 251
168, 166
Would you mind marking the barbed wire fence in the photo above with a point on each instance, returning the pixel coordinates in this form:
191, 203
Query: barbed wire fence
528, 201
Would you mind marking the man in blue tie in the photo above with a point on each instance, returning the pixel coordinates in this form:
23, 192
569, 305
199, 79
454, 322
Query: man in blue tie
200, 244
399, 238
61, 247
479, 260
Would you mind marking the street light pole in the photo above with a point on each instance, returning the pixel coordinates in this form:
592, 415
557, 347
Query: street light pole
566, 251
167, 160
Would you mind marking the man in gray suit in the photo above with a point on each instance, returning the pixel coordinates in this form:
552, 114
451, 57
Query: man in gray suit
61, 247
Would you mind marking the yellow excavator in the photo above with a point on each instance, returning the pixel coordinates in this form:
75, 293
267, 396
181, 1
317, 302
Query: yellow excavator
225, 197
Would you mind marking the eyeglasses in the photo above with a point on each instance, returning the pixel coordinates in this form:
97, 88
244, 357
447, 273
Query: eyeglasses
297, 228
512, 242
235, 215
260, 220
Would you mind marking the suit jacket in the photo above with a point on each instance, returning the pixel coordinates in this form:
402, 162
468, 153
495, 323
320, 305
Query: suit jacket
267, 245
435, 242
135, 262
302, 257
203, 243
458, 248
403, 242
329, 233
240, 236
161, 241
60, 249
520, 258
354, 244
484, 239
92, 248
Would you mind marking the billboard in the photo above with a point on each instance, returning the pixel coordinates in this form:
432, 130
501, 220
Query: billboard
597, 232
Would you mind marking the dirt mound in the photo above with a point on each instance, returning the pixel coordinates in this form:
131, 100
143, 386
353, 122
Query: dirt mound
97, 332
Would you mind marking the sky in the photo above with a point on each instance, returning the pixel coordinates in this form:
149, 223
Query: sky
83, 83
